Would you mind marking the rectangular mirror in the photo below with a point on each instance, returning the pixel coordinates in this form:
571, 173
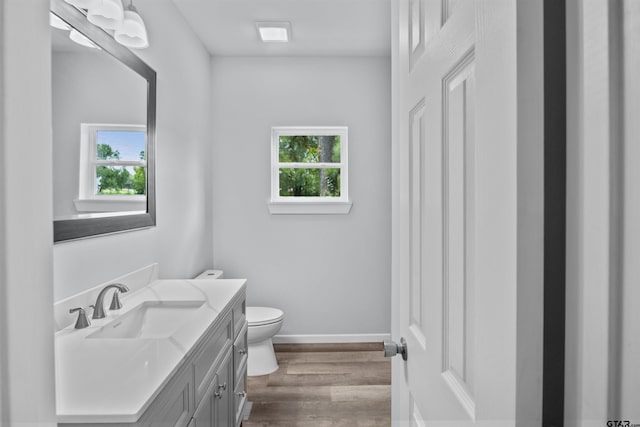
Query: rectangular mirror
104, 101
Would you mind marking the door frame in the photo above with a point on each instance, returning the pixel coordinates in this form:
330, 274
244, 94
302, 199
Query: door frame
600, 208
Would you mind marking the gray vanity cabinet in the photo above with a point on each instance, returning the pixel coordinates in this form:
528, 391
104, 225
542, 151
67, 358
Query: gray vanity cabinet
207, 390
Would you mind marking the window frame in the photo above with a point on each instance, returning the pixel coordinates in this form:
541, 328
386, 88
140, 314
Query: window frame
303, 204
88, 200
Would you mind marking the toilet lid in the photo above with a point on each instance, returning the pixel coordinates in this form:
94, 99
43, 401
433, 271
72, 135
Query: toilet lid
257, 316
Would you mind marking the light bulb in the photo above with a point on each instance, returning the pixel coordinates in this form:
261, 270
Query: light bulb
56, 22
81, 39
132, 33
107, 14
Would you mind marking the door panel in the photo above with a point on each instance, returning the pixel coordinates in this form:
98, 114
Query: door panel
440, 134
456, 212
416, 168
457, 332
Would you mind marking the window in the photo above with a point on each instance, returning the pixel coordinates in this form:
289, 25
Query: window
309, 170
112, 168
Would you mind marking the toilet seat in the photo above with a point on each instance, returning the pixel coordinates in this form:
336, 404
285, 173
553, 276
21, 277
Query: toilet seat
260, 316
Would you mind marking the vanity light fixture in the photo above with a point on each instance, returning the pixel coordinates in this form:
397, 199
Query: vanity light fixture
107, 14
274, 32
132, 32
125, 23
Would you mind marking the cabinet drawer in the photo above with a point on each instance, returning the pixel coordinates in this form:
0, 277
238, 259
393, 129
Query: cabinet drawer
239, 316
240, 395
209, 356
240, 352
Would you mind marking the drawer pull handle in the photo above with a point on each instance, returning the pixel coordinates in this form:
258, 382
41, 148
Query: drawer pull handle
221, 388
242, 394
242, 351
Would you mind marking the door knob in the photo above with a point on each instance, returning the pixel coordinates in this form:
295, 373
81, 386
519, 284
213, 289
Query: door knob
391, 348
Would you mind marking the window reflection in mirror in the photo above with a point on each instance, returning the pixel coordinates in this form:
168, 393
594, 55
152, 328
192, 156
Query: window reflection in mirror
99, 130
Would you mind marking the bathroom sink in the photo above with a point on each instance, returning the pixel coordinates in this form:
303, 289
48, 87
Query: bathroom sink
150, 320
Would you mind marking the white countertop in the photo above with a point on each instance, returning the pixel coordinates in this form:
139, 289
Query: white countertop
115, 380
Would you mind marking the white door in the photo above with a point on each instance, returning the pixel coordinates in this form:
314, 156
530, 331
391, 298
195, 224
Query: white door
458, 234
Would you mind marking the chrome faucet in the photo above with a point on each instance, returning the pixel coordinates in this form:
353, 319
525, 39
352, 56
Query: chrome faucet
98, 309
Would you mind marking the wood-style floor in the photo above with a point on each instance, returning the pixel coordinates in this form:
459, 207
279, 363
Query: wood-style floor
323, 385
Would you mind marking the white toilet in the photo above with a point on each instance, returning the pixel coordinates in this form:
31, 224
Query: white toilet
264, 323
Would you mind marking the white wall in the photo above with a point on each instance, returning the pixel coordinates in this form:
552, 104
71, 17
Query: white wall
181, 241
26, 295
330, 274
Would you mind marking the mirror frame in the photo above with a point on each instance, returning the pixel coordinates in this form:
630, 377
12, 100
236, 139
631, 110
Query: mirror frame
80, 228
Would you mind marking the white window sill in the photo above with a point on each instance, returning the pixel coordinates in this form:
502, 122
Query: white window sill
112, 204
309, 208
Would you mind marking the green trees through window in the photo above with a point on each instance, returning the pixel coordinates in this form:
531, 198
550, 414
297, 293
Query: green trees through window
119, 179
311, 173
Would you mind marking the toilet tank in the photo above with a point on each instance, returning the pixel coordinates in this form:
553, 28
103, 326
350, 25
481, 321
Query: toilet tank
210, 274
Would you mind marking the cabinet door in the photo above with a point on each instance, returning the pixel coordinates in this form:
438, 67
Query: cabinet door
224, 413
204, 415
174, 406
216, 344
215, 407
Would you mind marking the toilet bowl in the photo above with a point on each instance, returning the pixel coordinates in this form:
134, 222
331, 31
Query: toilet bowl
264, 323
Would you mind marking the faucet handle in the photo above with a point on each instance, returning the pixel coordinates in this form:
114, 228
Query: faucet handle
115, 301
82, 321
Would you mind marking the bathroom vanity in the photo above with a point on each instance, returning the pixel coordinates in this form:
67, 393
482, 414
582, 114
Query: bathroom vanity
174, 355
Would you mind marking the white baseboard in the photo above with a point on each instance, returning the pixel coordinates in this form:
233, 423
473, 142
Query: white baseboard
323, 339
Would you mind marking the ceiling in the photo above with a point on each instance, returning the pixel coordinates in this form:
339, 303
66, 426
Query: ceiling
319, 27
